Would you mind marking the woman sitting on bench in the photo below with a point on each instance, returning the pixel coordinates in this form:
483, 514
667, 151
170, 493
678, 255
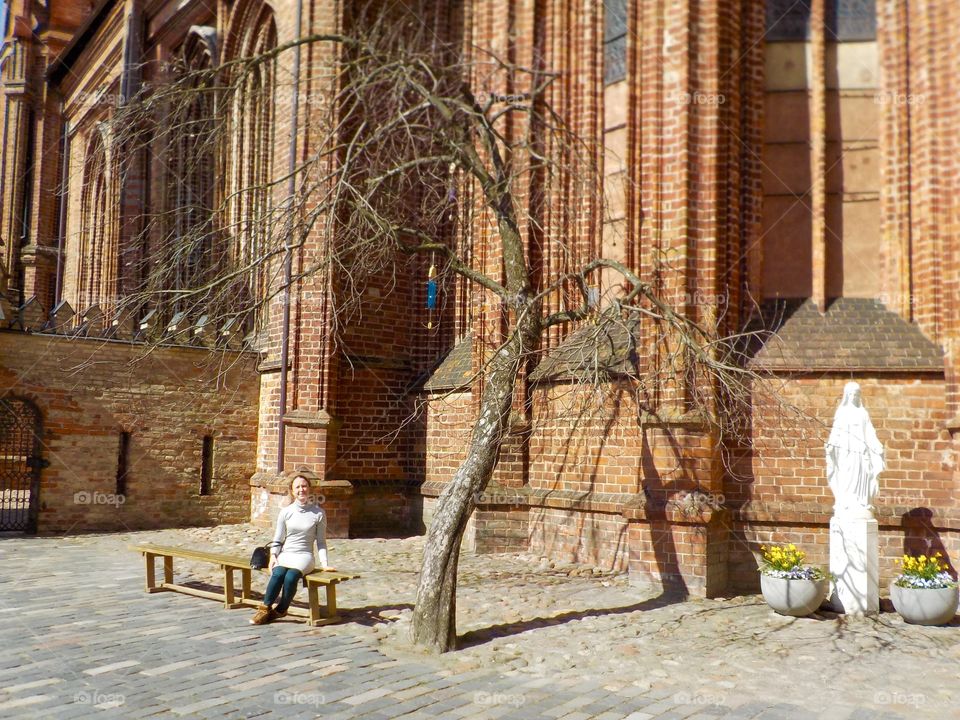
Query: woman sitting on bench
300, 525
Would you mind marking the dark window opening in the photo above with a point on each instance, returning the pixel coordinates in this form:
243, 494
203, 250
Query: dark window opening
614, 41
851, 20
206, 465
123, 463
845, 20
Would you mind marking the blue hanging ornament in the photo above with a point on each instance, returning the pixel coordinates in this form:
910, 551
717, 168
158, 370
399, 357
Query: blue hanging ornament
432, 288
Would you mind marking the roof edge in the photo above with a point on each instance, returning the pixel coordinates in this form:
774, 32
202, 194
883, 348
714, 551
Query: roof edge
59, 67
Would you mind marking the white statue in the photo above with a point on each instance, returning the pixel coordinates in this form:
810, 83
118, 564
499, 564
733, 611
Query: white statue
854, 457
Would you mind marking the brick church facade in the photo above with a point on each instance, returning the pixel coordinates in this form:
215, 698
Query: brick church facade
798, 161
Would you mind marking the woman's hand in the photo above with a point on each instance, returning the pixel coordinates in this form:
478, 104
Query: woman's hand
328, 569
273, 562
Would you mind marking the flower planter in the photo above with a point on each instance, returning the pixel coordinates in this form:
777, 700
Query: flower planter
793, 597
925, 606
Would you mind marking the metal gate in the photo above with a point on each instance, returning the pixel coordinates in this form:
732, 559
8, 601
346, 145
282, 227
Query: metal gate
20, 464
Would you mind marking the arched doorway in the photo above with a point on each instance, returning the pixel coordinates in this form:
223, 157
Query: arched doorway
21, 428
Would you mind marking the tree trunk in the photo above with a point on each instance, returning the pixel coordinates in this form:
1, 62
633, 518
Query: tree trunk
434, 617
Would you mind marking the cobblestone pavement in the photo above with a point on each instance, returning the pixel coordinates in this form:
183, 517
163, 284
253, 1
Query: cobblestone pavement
82, 639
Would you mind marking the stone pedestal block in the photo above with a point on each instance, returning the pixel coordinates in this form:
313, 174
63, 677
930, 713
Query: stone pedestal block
855, 563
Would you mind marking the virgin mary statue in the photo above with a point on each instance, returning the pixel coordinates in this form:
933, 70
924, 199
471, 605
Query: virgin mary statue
854, 457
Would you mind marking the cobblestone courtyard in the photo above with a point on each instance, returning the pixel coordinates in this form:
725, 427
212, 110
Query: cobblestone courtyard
82, 639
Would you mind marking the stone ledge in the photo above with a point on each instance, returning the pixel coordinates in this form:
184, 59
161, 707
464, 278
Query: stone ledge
692, 421
272, 366
632, 506
318, 420
817, 514
130, 343
677, 514
278, 484
610, 503
397, 483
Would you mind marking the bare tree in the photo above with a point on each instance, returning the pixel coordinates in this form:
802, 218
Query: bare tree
412, 133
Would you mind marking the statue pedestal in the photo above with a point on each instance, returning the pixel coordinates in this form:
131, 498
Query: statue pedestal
855, 563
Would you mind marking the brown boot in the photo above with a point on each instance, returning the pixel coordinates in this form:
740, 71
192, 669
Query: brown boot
263, 615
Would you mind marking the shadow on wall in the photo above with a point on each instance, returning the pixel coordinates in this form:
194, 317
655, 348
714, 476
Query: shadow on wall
661, 536
920, 537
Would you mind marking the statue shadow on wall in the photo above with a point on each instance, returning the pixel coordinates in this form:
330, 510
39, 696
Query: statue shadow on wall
920, 537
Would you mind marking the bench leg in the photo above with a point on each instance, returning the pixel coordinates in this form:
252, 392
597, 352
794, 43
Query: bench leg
228, 601
245, 584
168, 569
331, 601
150, 566
314, 597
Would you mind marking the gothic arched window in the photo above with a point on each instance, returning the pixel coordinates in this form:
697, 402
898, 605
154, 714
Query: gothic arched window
252, 117
191, 191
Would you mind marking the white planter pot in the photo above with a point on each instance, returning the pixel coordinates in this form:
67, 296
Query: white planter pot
925, 606
793, 597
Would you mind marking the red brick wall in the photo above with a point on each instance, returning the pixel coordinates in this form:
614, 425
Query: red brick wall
780, 493
591, 440
680, 551
449, 422
502, 528
593, 538
88, 391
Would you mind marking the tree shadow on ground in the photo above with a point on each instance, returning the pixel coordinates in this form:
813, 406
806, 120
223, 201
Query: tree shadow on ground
484, 635
371, 614
364, 615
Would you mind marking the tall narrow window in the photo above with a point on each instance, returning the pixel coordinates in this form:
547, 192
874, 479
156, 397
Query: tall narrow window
93, 264
206, 465
123, 463
614, 41
192, 242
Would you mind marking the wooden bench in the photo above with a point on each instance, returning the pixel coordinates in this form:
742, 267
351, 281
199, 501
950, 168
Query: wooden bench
229, 564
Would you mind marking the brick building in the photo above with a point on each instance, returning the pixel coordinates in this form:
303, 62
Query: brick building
797, 161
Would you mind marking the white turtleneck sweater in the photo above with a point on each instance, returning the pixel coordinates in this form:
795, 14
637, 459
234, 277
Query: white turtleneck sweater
299, 528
